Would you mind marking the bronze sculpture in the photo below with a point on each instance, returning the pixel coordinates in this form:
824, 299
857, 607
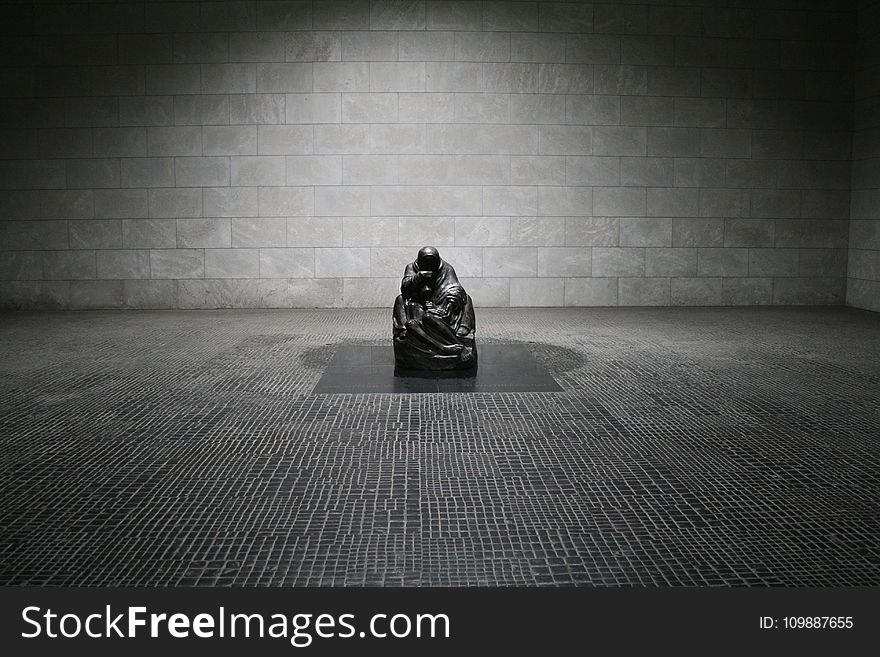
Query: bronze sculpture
433, 319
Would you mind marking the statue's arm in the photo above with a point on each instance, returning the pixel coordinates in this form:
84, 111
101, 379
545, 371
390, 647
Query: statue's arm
409, 286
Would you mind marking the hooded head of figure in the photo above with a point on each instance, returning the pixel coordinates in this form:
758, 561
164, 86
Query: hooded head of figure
428, 259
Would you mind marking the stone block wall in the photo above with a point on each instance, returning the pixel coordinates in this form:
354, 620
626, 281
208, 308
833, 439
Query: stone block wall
863, 288
296, 153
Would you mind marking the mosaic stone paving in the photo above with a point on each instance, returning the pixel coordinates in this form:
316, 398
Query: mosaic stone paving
688, 447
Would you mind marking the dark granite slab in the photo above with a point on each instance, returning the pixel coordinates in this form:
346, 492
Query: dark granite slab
502, 368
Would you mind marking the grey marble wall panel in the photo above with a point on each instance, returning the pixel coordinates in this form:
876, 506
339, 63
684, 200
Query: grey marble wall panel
286, 154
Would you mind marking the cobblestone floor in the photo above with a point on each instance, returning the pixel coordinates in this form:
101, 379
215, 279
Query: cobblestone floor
688, 447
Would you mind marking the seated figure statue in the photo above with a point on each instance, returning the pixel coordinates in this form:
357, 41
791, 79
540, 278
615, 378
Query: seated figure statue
433, 321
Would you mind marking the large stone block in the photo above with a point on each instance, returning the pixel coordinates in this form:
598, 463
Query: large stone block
537, 292
565, 201
590, 292
200, 110
617, 201
748, 232
482, 231
566, 140
673, 202
257, 170
93, 173
342, 139
592, 49
673, 142
314, 170
809, 291
287, 263
123, 264
370, 169
95, 234
152, 294
177, 263
482, 47
773, 262
644, 292
592, 171
482, 108
609, 262
369, 108
368, 46
537, 170
453, 76
230, 202
313, 108
537, 108
149, 233
696, 291
286, 139
60, 204
508, 200
201, 171
369, 231
341, 76
591, 231
284, 78
342, 200
33, 235
646, 111
674, 262
418, 231
426, 46
96, 294
314, 292
397, 15
233, 79
120, 142
397, 76
233, 293
426, 107
204, 232
564, 261
397, 138
256, 109
746, 291
459, 15
21, 266
314, 231
230, 140
532, 47
722, 262
257, 46
537, 231
262, 231
369, 292
488, 139
174, 202
388, 261
646, 171
511, 261
173, 79
488, 292
286, 201
232, 263
645, 231
341, 15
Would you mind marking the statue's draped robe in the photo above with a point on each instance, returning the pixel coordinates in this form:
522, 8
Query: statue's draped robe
442, 296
